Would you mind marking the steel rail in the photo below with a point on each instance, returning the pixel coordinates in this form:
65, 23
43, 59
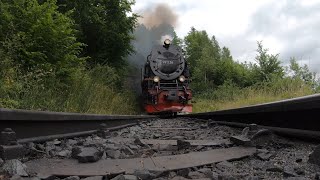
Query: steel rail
19, 114
70, 135
296, 117
297, 133
29, 124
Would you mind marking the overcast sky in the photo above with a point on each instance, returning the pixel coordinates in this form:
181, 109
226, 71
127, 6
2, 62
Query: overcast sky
288, 27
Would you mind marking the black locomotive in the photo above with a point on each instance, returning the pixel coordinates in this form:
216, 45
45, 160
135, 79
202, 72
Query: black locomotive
165, 81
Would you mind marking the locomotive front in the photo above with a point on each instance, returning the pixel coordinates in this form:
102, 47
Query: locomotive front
165, 82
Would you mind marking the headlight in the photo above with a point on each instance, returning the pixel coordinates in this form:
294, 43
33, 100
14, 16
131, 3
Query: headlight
182, 78
156, 79
167, 42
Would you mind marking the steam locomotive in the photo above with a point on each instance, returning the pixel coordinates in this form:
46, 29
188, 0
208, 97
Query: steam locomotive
165, 81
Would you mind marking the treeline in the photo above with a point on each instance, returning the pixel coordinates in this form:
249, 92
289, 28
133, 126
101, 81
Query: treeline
217, 76
65, 55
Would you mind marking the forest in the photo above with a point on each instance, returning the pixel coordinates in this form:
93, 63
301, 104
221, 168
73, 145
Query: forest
72, 56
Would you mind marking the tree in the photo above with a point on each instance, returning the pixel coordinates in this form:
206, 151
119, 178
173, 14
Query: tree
302, 72
176, 40
268, 65
38, 36
105, 28
195, 42
213, 66
201, 54
216, 50
225, 54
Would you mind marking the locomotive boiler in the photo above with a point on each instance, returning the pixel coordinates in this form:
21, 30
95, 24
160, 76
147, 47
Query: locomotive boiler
165, 81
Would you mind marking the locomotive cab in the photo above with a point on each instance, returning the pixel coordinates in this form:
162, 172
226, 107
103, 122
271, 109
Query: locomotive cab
165, 81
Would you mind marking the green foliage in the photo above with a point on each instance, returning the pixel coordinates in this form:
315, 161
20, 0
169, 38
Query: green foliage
88, 92
268, 65
39, 38
176, 40
95, 91
8, 74
203, 55
229, 70
302, 72
195, 42
212, 65
105, 28
227, 91
42, 65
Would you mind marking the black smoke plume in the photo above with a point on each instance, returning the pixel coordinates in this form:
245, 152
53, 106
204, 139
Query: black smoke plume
155, 24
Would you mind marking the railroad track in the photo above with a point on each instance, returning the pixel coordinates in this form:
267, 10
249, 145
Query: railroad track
31, 124
206, 145
295, 117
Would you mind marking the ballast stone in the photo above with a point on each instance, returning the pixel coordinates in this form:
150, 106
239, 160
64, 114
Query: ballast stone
130, 177
297, 178
196, 175
89, 154
289, 172
226, 176
75, 151
272, 167
224, 165
64, 153
253, 178
241, 140
245, 132
314, 157
114, 154
144, 174
119, 177
14, 167
1, 162
93, 178
179, 178
208, 173
127, 150
183, 172
17, 177
265, 156
183, 144
72, 178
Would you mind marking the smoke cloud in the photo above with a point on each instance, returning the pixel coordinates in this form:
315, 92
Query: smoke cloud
167, 36
161, 14
155, 25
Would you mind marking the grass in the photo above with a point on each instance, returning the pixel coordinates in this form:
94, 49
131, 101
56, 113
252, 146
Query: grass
95, 91
228, 96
